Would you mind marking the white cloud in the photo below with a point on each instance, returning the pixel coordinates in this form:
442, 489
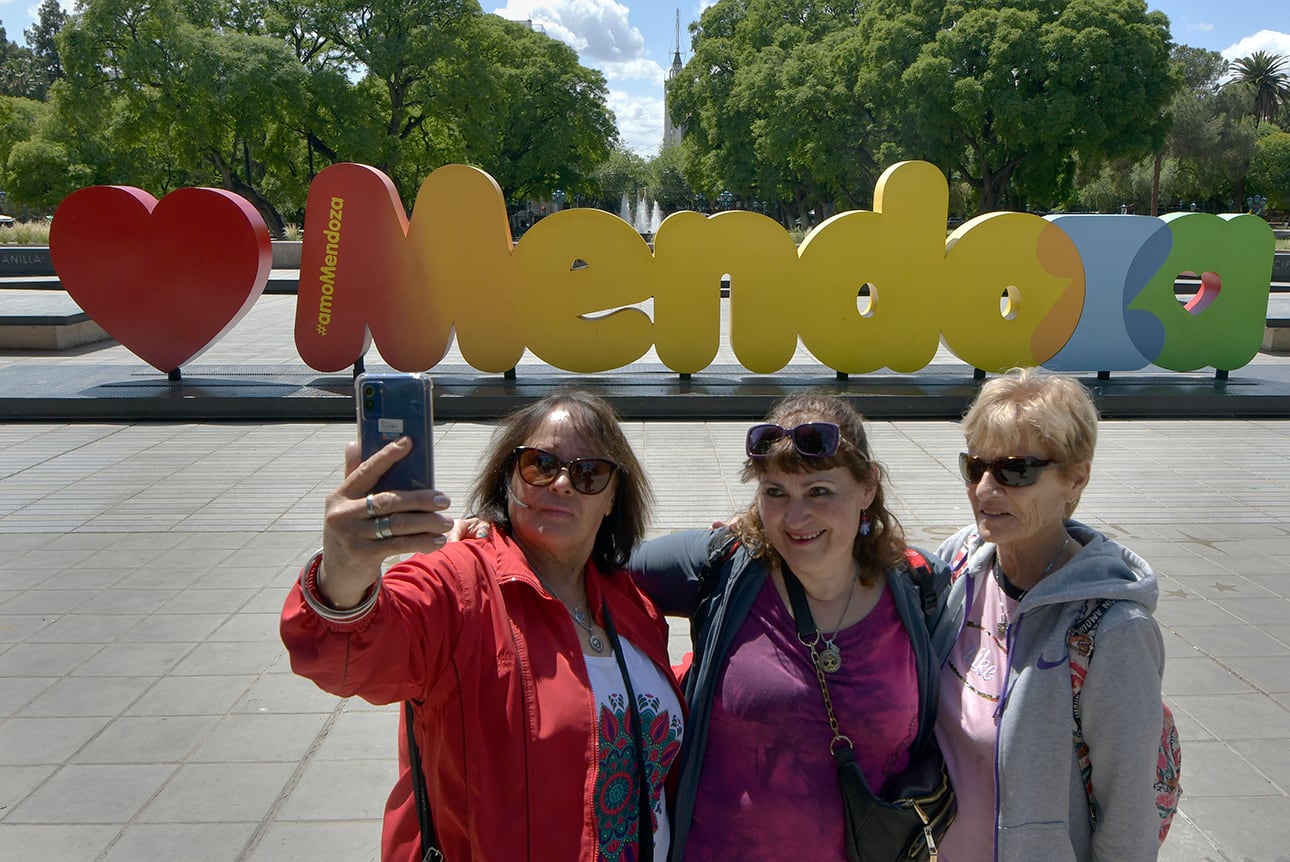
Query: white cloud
645, 71
1269, 41
596, 29
604, 39
640, 121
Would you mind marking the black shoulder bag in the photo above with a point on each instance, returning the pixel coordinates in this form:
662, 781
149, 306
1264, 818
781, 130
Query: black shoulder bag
917, 805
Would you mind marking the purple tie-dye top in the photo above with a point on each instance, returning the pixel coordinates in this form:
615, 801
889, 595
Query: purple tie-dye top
769, 786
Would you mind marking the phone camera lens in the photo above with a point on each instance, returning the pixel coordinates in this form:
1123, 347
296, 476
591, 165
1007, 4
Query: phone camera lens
369, 390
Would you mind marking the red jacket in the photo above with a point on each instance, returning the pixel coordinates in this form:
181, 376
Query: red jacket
504, 710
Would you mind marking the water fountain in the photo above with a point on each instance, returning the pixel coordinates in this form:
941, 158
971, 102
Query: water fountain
655, 219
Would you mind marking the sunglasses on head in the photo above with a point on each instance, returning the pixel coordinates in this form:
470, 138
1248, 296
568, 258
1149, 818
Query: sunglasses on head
540, 468
810, 439
1014, 471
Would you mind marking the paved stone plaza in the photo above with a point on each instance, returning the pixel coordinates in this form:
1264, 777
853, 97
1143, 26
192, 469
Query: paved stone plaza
147, 710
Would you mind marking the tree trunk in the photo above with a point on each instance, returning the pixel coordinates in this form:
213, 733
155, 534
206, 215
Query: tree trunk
1155, 184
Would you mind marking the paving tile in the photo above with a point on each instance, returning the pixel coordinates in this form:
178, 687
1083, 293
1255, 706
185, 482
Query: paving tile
1244, 828
1214, 768
191, 842
61, 842
80, 696
193, 695
358, 841
37, 659
262, 738
367, 784
234, 658
246, 793
1234, 640
16, 782
285, 693
92, 794
35, 741
359, 735
127, 659
1235, 717
148, 739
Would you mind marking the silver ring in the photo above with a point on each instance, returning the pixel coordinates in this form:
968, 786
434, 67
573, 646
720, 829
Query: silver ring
383, 530
371, 507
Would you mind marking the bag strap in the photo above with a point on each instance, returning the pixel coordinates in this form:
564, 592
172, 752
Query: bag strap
808, 633
645, 808
920, 572
430, 851
1080, 640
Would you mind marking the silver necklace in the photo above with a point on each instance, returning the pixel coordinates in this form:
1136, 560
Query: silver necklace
579, 616
831, 656
1001, 628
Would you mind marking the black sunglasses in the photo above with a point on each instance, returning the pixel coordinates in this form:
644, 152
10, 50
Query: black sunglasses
810, 439
1015, 471
540, 468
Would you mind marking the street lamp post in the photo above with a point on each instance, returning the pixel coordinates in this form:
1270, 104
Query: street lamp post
726, 199
558, 197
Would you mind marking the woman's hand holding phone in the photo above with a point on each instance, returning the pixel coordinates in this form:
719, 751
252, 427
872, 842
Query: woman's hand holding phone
362, 526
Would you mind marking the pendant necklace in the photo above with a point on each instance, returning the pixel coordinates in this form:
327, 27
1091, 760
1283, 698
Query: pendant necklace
831, 657
579, 616
1014, 592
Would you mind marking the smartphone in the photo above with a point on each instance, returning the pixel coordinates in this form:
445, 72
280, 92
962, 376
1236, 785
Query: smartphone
391, 405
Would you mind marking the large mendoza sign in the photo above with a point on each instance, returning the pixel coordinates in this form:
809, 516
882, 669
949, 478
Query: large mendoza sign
1074, 293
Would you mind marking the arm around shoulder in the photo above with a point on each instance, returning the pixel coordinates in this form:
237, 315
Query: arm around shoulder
671, 569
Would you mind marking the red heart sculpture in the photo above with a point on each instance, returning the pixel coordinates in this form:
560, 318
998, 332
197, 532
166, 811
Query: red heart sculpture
165, 279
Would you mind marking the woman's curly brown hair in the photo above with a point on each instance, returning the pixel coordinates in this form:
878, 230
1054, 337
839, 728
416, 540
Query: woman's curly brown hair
884, 547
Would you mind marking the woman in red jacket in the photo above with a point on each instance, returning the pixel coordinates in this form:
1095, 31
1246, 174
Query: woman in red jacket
537, 675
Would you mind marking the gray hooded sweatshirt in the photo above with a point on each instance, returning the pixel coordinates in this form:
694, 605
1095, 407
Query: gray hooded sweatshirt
1041, 807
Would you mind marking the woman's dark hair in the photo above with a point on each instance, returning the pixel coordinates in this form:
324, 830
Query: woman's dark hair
884, 547
597, 424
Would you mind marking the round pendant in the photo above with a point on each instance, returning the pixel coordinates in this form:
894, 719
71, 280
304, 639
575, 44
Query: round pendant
830, 658
596, 643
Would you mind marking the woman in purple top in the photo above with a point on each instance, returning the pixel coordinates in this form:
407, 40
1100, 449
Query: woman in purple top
758, 779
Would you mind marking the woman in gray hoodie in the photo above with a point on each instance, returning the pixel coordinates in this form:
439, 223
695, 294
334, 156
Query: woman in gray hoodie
1023, 574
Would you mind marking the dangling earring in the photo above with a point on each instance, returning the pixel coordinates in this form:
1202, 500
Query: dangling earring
865, 527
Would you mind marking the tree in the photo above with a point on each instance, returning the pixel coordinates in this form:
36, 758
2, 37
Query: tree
42, 40
773, 106
1015, 94
1270, 168
541, 120
622, 173
1268, 76
153, 99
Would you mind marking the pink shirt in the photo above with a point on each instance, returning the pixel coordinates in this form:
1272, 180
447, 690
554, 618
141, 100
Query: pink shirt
971, 682
768, 781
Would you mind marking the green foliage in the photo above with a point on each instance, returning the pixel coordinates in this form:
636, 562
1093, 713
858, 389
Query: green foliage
666, 181
1265, 79
42, 173
539, 120
257, 96
800, 100
1270, 168
622, 173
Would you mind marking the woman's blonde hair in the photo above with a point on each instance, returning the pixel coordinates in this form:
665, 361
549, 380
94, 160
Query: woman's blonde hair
1026, 406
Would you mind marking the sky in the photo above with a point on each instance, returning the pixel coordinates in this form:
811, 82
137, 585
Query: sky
633, 42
